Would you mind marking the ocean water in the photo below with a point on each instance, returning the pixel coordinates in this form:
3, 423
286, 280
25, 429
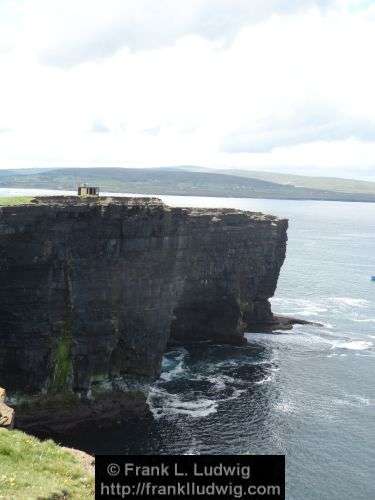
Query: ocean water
309, 393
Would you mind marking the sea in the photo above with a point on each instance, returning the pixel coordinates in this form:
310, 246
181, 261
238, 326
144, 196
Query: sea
308, 393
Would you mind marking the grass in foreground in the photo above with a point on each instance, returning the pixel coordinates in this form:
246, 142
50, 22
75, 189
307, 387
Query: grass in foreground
34, 469
14, 200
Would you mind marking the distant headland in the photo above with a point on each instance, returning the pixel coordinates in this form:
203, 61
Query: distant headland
194, 181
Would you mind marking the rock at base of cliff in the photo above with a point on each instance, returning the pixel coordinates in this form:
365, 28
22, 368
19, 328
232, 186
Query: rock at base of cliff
62, 415
6, 413
277, 323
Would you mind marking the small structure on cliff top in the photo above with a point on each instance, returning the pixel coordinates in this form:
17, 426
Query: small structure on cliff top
85, 190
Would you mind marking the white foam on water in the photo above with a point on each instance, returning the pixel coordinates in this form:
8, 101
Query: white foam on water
304, 307
364, 320
246, 360
219, 382
224, 364
264, 361
172, 404
236, 394
178, 370
350, 301
313, 310
291, 301
325, 337
163, 403
268, 378
193, 448
298, 336
285, 407
198, 408
354, 345
318, 307
354, 400
320, 409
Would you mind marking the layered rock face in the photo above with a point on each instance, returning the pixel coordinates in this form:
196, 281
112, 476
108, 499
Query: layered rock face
93, 290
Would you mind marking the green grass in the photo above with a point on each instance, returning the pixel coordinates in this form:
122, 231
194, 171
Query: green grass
14, 200
63, 365
41, 470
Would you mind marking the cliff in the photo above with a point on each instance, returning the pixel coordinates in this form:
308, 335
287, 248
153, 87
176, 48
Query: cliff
93, 290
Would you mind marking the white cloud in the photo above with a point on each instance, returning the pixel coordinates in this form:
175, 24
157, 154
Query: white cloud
283, 91
99, 127
300, 127
69, 32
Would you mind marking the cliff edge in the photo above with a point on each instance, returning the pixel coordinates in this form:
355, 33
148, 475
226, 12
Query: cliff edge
93, 291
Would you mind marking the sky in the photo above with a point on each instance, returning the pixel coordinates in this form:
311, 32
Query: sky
278, 85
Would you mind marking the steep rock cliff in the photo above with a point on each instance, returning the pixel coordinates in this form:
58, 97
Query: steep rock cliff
92, 290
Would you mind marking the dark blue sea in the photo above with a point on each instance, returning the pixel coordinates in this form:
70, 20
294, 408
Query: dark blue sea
309, 393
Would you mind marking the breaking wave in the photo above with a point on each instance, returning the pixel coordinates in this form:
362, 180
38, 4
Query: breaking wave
173, 369
163, 403
354, 345
192, 387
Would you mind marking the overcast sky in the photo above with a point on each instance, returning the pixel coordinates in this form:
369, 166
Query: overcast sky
284, 85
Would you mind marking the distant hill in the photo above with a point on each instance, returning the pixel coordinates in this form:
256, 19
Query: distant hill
336, 184
327, 183
192, 181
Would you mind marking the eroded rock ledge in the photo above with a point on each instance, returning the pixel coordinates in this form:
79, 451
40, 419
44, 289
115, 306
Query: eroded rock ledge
93, 290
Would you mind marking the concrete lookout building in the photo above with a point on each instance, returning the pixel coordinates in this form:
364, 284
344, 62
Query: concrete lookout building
88, 190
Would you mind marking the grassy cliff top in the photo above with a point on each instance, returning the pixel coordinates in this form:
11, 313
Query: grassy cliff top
36, 469
14, 200
11, 201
